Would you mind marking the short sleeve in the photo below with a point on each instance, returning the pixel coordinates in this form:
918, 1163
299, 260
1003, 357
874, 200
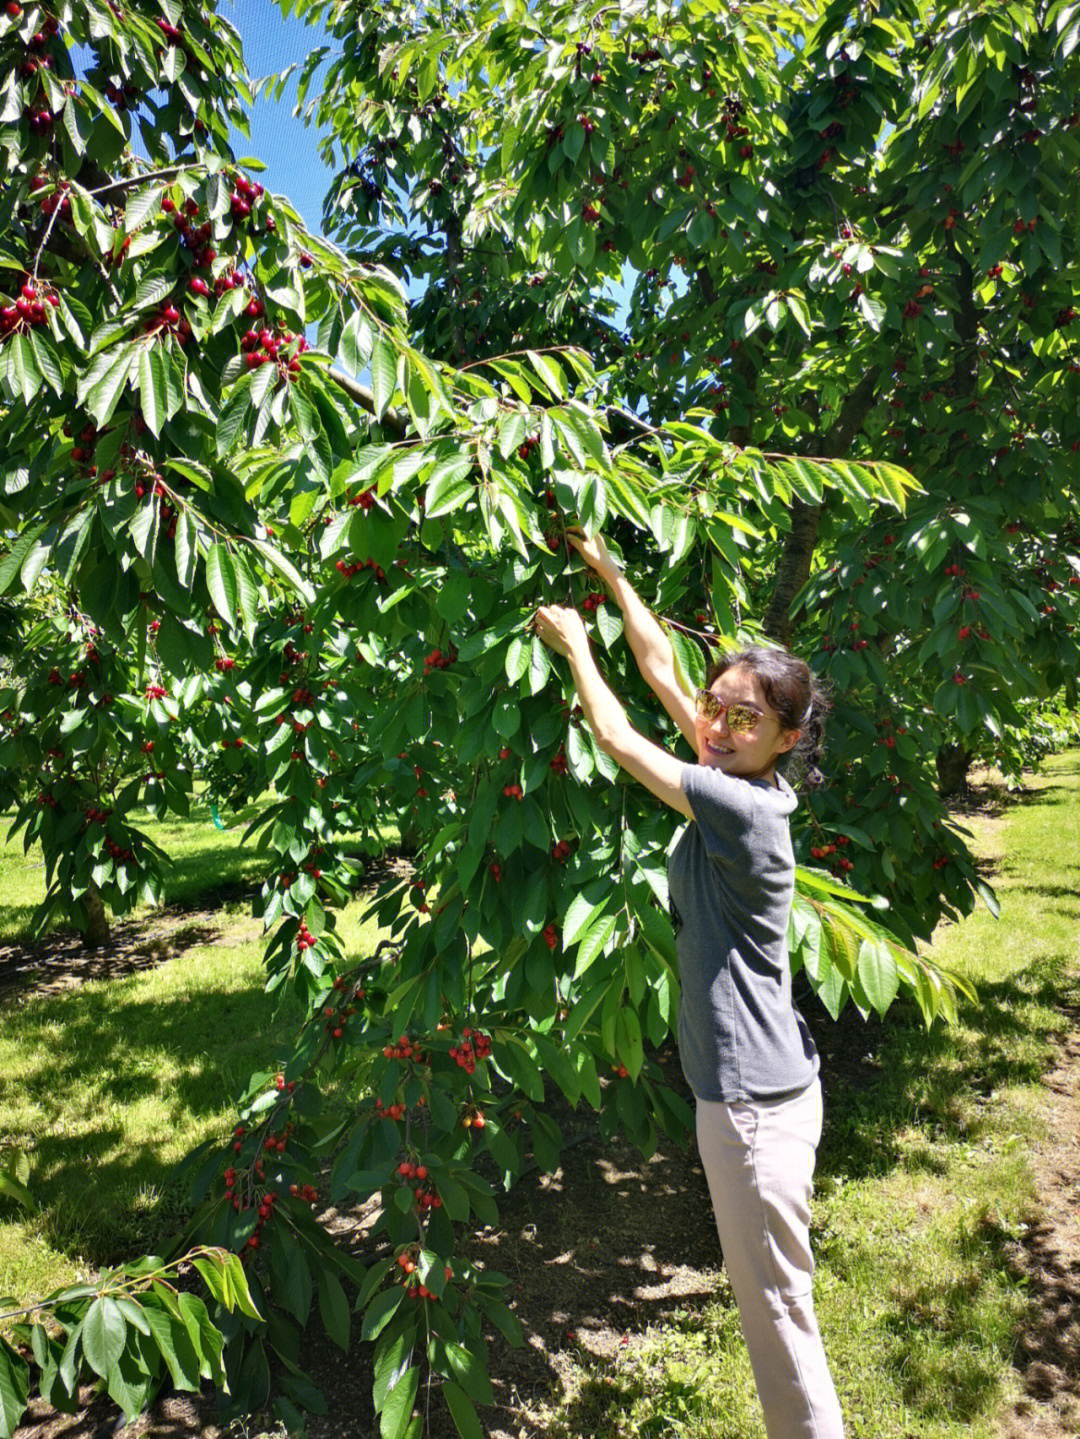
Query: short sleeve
723, 810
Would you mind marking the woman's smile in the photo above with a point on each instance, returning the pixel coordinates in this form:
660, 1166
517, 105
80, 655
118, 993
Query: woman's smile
717, 748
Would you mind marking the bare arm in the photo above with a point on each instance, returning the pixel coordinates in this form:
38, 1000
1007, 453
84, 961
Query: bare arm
650, 764
649, 644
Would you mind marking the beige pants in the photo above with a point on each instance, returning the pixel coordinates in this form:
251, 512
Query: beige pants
759, 1162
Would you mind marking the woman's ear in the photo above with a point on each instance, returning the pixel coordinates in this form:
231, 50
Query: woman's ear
790, 740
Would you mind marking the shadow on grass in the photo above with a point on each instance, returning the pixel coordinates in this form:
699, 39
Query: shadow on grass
612, 1244
60, 959
180, 1059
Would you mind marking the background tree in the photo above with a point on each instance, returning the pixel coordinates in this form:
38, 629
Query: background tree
843, 238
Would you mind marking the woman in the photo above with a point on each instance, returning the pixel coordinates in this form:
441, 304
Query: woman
744, 1048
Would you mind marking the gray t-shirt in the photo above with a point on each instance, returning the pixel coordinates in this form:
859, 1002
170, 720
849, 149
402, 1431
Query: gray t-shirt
731, 878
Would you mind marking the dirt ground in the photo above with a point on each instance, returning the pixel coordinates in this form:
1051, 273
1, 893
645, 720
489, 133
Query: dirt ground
1048, 1257
611, 1244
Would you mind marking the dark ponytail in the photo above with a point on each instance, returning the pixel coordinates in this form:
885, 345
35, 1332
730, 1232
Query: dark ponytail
799, 698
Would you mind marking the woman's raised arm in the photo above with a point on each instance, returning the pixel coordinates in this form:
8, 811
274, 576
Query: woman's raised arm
649, 644
650, 764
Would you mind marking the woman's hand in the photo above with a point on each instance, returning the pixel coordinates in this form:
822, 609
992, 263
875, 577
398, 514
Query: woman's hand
595, 554
561, 629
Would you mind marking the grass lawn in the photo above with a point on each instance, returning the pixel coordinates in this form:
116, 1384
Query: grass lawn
923, 1181
924, 1177
108, 1085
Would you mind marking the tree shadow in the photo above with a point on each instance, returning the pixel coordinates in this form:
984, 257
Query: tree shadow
61, 960
102, 1196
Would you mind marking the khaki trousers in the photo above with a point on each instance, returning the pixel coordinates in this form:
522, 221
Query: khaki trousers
759, 1163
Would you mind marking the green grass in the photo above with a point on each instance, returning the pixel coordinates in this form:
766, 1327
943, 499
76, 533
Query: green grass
923, 1181
109, 1084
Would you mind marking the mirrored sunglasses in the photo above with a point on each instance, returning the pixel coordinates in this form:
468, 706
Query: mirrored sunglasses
741, 718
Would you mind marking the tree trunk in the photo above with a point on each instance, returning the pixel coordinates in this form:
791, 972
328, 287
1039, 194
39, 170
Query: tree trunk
97, 921
794, 568
953, 762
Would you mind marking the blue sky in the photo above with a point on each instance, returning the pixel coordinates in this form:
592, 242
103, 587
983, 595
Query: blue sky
288, 148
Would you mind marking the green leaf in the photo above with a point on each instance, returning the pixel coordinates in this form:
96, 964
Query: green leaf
27, 374
12, 562
105, 395
470, 1373
593, 942
517, 659
380, 1311
462, 1411
550, 373
238, 1285
48, 360
449, 487
247, 594
628, 1040
383, 375
539, 665
334, 1308
184, 550
233, 414
581, 913
152, 389
142, 204
398, 1405
13, 1188
221, 582
104, 1333
878, 974
275, 560
144, 530
14, 1388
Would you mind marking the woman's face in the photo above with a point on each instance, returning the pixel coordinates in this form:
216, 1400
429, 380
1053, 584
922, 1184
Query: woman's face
750, 756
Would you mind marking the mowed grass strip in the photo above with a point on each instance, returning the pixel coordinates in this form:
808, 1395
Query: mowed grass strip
924, 1183
108, 1084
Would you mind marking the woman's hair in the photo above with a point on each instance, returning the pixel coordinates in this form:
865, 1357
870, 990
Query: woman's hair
798, 697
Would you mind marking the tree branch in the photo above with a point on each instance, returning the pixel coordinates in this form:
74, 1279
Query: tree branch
129, 183
393, 419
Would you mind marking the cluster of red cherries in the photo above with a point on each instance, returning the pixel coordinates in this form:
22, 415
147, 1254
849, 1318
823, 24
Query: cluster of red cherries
475, 1046
414, 1290
425, 1198
436, 660
344, 567
261, 347
28, 310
